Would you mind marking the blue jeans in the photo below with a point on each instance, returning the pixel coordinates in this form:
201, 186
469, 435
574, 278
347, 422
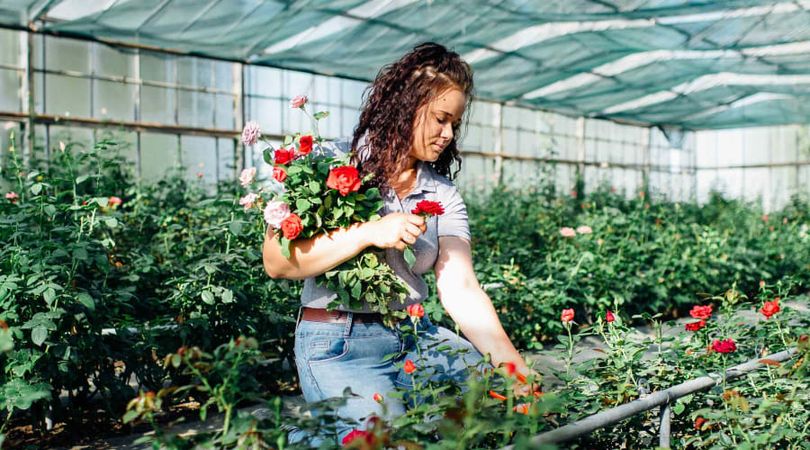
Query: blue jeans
331, 357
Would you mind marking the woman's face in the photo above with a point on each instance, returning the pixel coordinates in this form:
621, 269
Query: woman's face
433, 129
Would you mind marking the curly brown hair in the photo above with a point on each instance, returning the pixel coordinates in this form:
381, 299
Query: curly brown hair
390, 106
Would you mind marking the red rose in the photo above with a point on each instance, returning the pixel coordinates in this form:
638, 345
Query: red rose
284, 155
428, 208
567, 315
770, 308
416, 310
701, 312
609, 317
291, 226
694, 326
358, 434
410, 367
344, 179
699, 422
724, 346
496, 396
305, 144
377, 397
279, 174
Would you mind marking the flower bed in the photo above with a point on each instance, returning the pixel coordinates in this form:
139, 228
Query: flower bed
169, 265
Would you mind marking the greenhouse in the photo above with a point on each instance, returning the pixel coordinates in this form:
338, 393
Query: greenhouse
584, 224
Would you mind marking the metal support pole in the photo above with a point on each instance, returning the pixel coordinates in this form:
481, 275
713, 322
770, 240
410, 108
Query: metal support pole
498, 122
580, 178
666, 423
28, 96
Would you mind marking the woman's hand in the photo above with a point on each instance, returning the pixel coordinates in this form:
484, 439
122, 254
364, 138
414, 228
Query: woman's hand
395, 230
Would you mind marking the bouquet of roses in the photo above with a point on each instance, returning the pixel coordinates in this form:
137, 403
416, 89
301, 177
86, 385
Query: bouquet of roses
312, 192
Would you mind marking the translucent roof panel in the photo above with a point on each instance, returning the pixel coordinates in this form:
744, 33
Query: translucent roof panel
693, 64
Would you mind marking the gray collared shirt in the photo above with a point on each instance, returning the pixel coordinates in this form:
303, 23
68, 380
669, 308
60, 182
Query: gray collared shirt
429, 186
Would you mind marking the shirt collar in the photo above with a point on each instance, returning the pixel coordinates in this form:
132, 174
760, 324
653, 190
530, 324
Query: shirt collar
425, 179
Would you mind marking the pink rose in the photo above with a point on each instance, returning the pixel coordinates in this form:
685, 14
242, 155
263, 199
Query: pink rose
584, 229
275, 212
567, 232
12, 197
279, 174
247, 176
567, 315
114, 202
248, 201
251, 133
298, 101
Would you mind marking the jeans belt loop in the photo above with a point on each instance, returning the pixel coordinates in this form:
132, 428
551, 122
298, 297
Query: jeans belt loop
300, 313
347, 330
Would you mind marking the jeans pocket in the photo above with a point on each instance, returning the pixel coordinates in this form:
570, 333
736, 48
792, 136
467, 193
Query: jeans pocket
322, 349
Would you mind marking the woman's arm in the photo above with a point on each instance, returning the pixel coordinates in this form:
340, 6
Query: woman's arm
468, 304
314, 256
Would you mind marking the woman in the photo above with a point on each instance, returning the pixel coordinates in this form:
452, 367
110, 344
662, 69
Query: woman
407, 138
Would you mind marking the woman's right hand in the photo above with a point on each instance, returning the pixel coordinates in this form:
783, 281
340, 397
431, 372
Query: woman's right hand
395, 230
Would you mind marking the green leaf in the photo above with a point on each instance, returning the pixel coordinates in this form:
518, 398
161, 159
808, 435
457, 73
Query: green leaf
236, 228
227, 296
267, 155
302, 204
81, 179
111, 222
87, 301
17, 394
321, 115
314, 186
285, 247
410, 257
36, 188
678, 408
49, 210
38, 335
207, 297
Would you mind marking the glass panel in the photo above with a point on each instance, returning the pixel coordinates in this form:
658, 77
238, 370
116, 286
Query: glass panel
225, 75
112, 62
195, 72
297, 83
157, 67
267, 112
10, 90
227, 160
81, 137
67, 96
264, 81
157, 105
127, 144
199, 157
10, 47
159, 154
67, 54
114, 101
226, 117
196, 108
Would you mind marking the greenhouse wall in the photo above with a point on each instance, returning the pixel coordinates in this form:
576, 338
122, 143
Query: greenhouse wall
174, 110
764, 165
